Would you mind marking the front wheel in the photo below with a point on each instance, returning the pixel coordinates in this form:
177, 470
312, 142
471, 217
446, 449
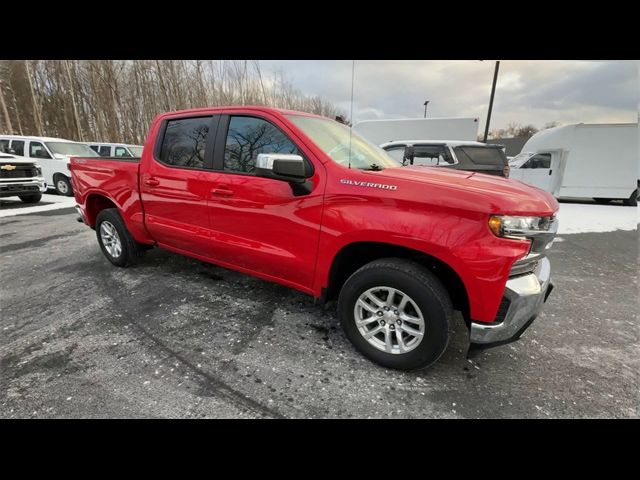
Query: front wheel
396, 313
35, 198
63, 185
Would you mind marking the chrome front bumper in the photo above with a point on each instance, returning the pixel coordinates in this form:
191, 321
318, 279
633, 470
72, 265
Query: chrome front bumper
525, 295
18, 186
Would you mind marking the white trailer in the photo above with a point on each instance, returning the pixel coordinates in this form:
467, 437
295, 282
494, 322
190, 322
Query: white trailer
450, 128
600, 161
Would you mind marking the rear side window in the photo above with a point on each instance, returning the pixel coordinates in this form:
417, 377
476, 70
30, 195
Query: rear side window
18, 147
104, 151
431, 155
481, 156
249, 136
184, 142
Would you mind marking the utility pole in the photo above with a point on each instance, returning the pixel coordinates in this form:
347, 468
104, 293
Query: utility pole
425, 108
493, 92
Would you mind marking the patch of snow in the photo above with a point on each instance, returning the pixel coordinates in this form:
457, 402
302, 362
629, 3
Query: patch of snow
583, 218
13, 206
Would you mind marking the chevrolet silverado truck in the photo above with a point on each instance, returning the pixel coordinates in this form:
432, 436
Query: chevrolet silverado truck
306, 202
22, 178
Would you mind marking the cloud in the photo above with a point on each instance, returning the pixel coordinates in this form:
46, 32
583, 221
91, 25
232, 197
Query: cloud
528, 92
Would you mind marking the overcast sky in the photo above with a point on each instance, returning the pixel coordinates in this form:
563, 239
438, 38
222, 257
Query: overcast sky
528, 92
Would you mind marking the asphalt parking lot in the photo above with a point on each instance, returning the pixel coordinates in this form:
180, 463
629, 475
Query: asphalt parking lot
174, 337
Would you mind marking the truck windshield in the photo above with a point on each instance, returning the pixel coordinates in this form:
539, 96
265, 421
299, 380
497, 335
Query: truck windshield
519, 159
136, 151
481, 155
72, 149
335, 139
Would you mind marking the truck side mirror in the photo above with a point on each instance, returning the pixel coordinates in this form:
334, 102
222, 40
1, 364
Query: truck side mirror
408, 155
280, 166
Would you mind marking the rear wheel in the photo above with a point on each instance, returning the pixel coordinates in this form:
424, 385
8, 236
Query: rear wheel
35, 198
396, 313
63, 185
115, 241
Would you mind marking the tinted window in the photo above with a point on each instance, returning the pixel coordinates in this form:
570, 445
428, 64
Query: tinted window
542, 160
430, 155
104, 151
481, 155
4, 146
37, 150
18, 147
249, 136
121, 152
184, 142
94, 148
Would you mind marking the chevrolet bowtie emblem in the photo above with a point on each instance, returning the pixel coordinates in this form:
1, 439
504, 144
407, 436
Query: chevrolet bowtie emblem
8, 167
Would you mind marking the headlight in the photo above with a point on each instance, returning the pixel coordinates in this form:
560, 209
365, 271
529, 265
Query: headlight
520, 228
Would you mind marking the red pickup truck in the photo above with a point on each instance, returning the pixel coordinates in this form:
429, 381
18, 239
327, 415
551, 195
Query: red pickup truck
306, 202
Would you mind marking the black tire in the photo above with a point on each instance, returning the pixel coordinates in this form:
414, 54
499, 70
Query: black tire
602, 201
62, 184
130, 249
35, 198
424, 289
632, 201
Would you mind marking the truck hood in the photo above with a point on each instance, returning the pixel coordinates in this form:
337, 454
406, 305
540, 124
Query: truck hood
16, 160
499, 195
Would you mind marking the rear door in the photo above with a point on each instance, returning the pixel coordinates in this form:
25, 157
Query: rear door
263, 225
176, 184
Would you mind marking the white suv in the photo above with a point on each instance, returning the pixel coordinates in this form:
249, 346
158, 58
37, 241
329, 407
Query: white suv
52, 154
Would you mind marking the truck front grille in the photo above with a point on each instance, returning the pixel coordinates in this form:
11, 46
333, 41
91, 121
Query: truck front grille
21, 171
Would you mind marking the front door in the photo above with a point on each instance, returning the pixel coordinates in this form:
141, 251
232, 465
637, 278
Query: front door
538, 171
260, 224
177, 182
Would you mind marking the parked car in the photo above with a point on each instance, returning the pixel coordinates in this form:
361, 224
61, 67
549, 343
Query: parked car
599, 161
52, 154
21, 177
469, 156
115, 149
303, 201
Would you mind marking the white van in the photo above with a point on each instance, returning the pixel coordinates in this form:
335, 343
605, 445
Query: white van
121, 150
599, 161
52, 154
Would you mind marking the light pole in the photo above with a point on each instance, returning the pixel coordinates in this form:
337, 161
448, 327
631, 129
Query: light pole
425, 108
493, 92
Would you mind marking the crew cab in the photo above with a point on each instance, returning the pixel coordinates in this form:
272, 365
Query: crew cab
303, 201
478, 157
22, 178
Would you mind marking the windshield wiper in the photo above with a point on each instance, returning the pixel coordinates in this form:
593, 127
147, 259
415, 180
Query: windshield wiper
373, 167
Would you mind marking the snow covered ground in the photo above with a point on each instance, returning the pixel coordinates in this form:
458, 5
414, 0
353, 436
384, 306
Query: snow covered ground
583, 217
12, 206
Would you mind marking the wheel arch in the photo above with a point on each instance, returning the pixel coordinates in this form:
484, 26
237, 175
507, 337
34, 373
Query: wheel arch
356, 254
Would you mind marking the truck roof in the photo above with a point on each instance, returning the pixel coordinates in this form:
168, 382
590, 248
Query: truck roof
260, 108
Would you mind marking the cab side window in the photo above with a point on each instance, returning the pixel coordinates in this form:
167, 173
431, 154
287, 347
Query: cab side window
104, 151
37, 150
249, 136
18, 147
121, 152
541, 160
184, 142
